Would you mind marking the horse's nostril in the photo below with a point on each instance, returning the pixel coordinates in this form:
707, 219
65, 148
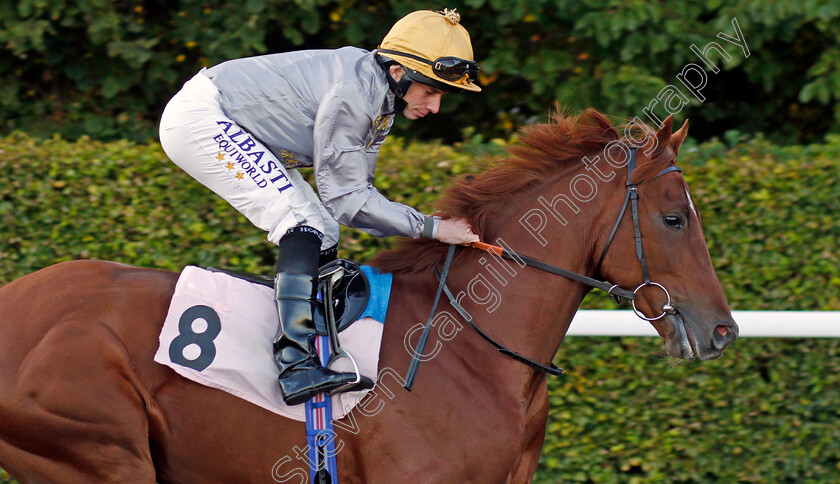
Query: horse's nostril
722, 336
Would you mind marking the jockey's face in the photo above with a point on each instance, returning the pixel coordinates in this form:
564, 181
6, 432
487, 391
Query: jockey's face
421, 99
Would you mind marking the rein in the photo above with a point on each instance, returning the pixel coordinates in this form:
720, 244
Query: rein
417, 357
613, 290
551, 368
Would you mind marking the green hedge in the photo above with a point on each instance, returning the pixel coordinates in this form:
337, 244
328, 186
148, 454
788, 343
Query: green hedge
122, 201
765, 412
769, 212
107, 68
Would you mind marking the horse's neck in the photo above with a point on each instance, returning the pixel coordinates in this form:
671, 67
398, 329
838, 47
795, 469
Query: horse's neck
535, 307
523, 308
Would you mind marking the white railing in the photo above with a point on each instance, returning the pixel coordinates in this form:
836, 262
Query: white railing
765, 324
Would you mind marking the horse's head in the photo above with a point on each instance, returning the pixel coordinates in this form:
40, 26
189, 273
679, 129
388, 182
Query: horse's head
698, 321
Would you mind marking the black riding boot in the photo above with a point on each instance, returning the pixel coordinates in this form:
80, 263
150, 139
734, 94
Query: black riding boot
296, 284
328, 255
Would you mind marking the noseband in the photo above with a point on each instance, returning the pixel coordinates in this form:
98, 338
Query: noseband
613, 290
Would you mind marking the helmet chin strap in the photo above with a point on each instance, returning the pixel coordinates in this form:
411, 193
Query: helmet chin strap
399, 88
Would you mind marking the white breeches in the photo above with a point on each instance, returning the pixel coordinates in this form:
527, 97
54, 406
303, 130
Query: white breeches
224, 157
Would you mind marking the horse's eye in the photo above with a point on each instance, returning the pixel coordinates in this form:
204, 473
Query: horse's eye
674, 222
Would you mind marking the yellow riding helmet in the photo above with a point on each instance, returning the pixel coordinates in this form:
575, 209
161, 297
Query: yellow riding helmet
435, 45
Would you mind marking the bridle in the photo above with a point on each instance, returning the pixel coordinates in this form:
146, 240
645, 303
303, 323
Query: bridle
616, 292
632, 198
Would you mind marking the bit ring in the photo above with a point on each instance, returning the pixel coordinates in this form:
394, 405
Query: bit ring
666, 308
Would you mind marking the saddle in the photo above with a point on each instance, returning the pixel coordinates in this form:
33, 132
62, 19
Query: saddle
351, 292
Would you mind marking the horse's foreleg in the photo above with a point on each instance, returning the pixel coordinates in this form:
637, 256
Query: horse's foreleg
537, 415
74, 411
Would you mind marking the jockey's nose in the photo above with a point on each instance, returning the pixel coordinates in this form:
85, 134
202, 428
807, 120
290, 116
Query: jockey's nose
434, 104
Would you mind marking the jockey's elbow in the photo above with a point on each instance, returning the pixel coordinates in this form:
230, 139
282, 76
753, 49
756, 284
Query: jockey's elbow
339, 212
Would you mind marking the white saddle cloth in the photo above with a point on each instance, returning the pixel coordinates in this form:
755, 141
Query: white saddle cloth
239, 358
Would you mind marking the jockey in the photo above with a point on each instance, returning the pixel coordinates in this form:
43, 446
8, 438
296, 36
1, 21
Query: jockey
243, 127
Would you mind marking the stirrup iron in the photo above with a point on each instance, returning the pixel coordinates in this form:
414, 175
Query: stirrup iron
342, 353
329, 280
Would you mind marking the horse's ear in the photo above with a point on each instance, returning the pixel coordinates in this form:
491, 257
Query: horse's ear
664, 134
678, 137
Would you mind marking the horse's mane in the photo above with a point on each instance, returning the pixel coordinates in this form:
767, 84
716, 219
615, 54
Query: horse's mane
547, 151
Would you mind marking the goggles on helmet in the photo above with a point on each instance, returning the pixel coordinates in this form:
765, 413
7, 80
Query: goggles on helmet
448, 68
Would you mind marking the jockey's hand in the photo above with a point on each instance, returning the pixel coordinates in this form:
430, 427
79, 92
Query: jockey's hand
455, 231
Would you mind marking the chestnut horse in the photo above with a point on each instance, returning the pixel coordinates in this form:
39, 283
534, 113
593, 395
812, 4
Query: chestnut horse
81, 399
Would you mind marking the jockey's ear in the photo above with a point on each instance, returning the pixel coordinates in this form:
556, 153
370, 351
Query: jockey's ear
678, 137
396, 71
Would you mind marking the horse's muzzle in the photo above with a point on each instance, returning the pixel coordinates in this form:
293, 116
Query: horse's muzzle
691, 337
